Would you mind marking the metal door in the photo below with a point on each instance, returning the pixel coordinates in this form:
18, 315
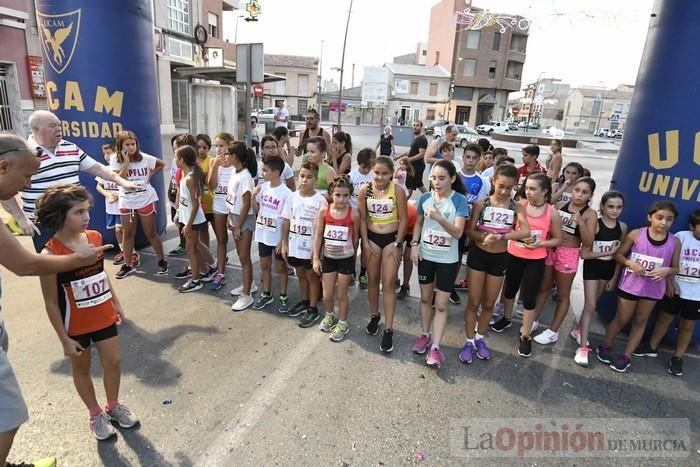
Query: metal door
213, 109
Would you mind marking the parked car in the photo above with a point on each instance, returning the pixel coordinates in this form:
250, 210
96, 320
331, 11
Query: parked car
466, 136
602, 132
522, 125
533, 125
513, 126
267, 115
554, 132
490, 127
430, 127
618, 134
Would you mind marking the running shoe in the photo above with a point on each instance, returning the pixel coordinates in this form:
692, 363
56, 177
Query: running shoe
466, 355
122, 415
327, 323
675, 366
621, 364
525, 347
497, 312
118, 259
239, 290
184, 274
464, 260
461, 284
162, 267
422, 344
454, 298
519, 308
243, 302
501, 325
403, 292
218, 281
373, 325
397, 283
387, 344
310, 317
46, 462
190, 286
136, 260
177, 251
435, 358
645, 350
262, 300
296, 310
363, 281
576, 335
101, 427
291, 271
482, 352
602, 353
581, 356
535, 325
207, 276
124, 271
284, 304
547, 337
339, 331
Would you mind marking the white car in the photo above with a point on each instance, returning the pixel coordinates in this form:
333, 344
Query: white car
555, 132
490, 127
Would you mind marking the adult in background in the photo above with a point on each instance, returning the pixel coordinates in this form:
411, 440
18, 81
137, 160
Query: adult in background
254, 135
60, 162
386, 145
313, 128
18, 164
282, 115
416, 156
286, 151
432, 154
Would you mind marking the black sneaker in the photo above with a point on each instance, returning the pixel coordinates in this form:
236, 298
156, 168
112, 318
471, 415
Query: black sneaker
403, 292
645, 350
397, 283
501, 325
207, 276
297, 310
190, 286
184, 274
454, 298
309, 318
124, 271
675, 366
162, 267
387, 344
373, 325
525, 347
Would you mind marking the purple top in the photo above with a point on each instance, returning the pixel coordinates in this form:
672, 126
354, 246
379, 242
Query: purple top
651, 257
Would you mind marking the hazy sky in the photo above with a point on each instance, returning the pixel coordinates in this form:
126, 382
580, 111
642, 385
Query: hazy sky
581, 42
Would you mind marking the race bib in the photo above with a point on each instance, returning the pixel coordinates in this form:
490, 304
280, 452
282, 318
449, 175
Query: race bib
266, 223
498, 218
565, 197
230, 199
336, 235
436, 240
649, 263
221, 191
605, 247
91, 291
300, 229
535, 237
689, 270
568, 224
380, 208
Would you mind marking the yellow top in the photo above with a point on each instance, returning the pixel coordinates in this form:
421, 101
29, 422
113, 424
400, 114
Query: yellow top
207, 196
382, 210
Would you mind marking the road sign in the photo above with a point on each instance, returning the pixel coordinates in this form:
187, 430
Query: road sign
539, 98
258, 90
515, 111
614, 118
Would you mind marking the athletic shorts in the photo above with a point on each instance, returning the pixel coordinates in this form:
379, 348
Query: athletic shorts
209, 216
299, 263
381, 240
112, 221
688, 309
493, 264
524, 275
96, 336
341, 266
265, 251
596, 269
147, 210
248, 222
444, 274
416, 181
565, 259
462, 247
197, 227
628, 296
13, 410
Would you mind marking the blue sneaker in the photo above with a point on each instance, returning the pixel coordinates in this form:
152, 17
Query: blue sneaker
466, 355
482, 352
262, 301
284, 304
218, 281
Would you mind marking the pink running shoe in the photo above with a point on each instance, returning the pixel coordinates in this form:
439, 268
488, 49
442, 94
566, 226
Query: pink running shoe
422, 344
435, 358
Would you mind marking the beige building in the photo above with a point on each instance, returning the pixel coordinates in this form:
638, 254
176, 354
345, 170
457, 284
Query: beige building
543, 102
298, 90
588, 109
486, 63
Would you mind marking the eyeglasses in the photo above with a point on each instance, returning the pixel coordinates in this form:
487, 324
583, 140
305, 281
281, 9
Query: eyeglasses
38, 151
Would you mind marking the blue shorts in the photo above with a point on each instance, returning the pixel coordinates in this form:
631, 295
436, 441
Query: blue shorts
113, 220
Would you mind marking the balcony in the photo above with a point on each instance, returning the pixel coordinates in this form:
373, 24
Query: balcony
516, 55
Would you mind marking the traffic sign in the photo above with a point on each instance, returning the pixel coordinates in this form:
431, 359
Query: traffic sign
515, 111
539, 98
614, 118
258, 90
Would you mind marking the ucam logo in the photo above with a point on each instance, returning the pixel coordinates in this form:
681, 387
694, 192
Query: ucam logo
59, 36
680, 185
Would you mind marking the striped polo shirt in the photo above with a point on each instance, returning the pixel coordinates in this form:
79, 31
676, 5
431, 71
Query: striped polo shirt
62, 166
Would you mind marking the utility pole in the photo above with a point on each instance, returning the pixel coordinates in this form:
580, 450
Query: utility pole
342, 68
529, 112
600, 111
320, 79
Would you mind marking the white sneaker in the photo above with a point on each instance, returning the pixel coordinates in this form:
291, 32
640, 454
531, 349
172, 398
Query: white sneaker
581, 356
239, 290
576, 335
497, 313
243, 302
546, 337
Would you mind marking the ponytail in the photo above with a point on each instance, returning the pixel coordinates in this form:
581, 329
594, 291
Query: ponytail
246, 156
188, 155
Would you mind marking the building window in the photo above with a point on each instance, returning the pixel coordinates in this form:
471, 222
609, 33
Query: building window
514, 70
424, 52
5, 109
280, 86
469, 67
492, 69
179, 15
303, 106
496, 41
518, 43
414, 87
181, 106
303, 85
597, 107
473, 38
433, 89
617, 107
213, 25
463, 93
430, 114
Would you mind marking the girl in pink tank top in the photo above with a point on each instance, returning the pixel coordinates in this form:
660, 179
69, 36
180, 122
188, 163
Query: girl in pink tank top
648, 255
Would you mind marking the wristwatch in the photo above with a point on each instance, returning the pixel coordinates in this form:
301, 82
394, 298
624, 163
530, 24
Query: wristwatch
398, 245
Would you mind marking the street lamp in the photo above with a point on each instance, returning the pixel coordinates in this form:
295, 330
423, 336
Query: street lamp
600, 110
529, 112
342, 66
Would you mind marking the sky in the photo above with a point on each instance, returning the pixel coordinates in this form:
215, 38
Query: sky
591, 42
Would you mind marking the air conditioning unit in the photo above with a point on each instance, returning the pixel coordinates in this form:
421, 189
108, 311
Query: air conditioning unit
214, 57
